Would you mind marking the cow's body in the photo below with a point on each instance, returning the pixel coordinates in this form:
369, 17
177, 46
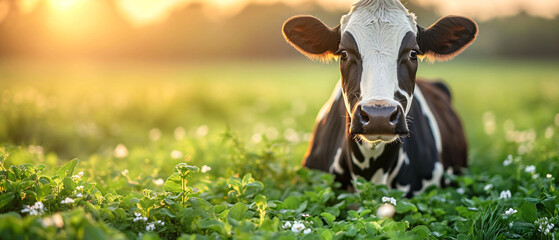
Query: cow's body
381, 123
411, 164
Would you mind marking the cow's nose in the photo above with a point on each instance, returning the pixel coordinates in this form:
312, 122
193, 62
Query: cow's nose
379, 120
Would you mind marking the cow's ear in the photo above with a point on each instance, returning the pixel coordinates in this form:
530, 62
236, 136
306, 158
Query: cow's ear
312, 37
446, 38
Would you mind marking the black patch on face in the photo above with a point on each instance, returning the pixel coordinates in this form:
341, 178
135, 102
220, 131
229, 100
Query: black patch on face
407, 67
351, 68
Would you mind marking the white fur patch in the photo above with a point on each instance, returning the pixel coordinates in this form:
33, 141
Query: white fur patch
402, 158
430, 117
435, 180
378, 28
336, 167
380, 177
369, 153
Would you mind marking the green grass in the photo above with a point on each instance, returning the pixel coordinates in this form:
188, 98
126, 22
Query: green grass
250, 121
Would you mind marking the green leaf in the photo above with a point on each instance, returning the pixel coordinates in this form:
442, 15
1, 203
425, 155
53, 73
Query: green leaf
261, 202
532, 200
166, 212
68, 169
404, 207
237, 212
69, 184
6, 198
247, 179
419, 232
214, 225
329, 218
463, 226
364, 212
326, 234
291, 202
173, 184
549, 204
529, 211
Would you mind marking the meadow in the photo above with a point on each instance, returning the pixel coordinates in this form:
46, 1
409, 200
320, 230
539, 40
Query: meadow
200, 150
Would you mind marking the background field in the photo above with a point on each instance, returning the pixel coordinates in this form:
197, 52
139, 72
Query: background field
75, 109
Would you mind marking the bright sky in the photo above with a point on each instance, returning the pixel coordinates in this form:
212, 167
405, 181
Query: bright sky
143, 12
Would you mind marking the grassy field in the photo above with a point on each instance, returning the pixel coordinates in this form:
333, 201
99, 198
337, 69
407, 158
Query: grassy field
132, 125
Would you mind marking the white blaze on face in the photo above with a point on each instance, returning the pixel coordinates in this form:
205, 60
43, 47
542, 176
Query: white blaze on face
378, 27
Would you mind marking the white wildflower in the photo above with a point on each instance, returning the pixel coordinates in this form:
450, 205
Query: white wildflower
179, 133
390, 200
509, 212
511, 224
307, 231
530, 169
150, 227
67, 201
139, 217
124, 172
488, 187
202, 131
548, 176
79, 195
305, 215
505, 195
536, 176
206, 169
39, 205
544, 225
159, 182
176, 154
298, 226
508, 160
80, 174
121, 151
37, 209
154, 134
76, 177
79, 188
287, 225
460, 190
160, 222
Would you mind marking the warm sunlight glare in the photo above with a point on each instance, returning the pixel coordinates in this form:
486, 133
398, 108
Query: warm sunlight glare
144, 12
485, 10
64, 5
4, 10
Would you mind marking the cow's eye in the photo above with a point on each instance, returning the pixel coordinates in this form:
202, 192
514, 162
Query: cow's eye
343, 54
413, 55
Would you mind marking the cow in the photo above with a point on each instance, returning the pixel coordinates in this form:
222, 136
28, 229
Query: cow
381, 123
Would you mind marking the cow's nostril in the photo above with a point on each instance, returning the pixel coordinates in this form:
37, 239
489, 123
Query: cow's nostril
364, 116
394, 117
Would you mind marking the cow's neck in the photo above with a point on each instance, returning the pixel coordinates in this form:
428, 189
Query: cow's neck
374, 162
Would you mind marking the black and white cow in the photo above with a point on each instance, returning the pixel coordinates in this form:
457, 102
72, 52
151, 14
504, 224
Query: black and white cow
380, 122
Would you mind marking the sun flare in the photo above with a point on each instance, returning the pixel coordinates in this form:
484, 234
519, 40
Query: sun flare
64, 5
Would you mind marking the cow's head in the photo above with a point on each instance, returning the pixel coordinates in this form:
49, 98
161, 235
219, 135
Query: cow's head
378, 43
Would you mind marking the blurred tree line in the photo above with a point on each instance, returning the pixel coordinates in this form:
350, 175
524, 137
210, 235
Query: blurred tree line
190, 34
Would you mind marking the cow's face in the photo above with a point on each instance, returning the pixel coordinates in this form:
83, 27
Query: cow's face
378, 43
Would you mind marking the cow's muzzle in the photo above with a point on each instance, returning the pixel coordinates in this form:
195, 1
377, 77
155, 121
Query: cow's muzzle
378, 122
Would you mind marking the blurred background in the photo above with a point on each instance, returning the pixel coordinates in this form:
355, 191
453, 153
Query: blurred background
165, 79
